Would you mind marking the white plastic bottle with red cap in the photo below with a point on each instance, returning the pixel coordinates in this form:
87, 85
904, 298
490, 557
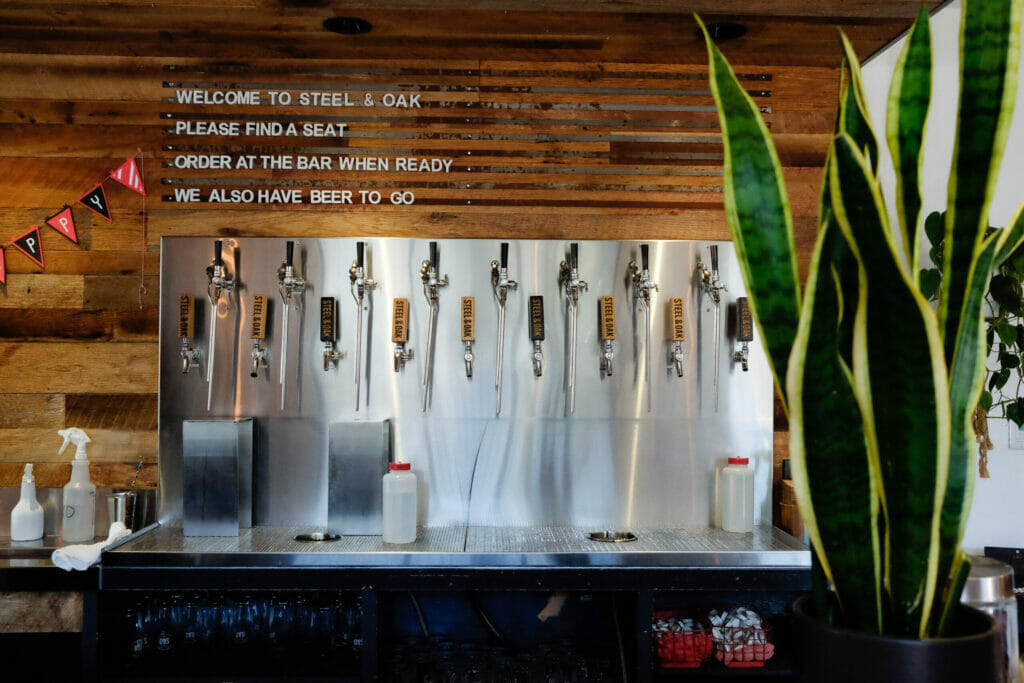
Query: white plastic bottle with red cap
736, 496
399, 504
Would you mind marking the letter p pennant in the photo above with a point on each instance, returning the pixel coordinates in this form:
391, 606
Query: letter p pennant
64, 223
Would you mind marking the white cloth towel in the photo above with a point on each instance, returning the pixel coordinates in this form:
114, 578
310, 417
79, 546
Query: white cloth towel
81, 557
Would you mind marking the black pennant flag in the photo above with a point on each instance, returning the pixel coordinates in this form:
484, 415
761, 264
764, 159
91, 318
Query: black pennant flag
30, 245
96, 201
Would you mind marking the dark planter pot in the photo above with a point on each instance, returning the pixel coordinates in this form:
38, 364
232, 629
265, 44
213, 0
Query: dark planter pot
823, 652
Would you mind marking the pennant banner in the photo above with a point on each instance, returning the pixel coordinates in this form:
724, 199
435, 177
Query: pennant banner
3, 268
128, 175
64, 223
30, 245
96, 201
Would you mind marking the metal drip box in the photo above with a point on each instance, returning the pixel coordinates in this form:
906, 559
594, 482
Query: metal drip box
358, 455
217, 491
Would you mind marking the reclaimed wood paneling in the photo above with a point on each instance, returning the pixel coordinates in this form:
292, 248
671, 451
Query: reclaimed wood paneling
561, 119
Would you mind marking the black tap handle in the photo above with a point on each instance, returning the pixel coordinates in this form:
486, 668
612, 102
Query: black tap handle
574, 255
714, 257
360, 246
536, 318
643, 256
327, 324
218, 247
289, 253
433, 255
504, 254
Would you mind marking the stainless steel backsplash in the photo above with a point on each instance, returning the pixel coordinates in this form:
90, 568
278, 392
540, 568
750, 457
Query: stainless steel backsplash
610, 464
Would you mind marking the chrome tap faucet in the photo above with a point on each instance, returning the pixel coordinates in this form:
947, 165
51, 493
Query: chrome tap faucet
640, 276
569, 278
362, 287
501, 285
219, 283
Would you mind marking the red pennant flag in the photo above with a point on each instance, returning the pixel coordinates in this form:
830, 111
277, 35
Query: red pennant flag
96, 201
30, 244
64, 223
128, 175
3, 268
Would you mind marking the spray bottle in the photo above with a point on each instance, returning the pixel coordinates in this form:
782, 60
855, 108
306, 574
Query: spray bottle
27, 515
79, 494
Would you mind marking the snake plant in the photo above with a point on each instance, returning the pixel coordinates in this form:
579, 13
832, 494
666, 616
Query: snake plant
879, 385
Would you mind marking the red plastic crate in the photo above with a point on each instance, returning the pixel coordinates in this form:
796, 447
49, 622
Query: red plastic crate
743, 646
686, 648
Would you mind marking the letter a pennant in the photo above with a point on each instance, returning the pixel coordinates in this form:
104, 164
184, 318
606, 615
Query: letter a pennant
96, 201
64, 223
128, 175
3, 268
30, 245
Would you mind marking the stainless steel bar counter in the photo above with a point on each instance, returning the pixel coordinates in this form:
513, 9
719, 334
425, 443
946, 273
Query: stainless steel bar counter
466, 548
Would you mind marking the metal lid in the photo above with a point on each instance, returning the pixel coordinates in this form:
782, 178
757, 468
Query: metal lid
989, 581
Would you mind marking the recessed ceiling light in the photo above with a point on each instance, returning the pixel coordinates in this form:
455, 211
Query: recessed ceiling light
349, 26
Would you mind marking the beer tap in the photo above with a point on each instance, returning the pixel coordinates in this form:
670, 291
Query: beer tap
400, 332
291, 286
187, 332
642, 286
219, 282
257, 333
678, 333
431, 284
468, 331
328, 331
606, 332
501, 285
362, 287
744, 332
713, 286
537, 333
569, 278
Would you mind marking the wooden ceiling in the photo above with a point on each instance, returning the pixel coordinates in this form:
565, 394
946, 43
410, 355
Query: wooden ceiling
779, 32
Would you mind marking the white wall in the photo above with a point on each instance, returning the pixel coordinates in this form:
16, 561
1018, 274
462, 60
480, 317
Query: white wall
997, 512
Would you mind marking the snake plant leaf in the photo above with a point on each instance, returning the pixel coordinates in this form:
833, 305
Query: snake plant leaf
989, 51
1011, 243
758, 213
902, 390
909, 99
854, 118
966, 380
832, 476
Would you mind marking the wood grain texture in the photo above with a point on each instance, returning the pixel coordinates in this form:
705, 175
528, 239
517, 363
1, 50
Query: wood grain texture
562, 119
78, 367
32, 410
113, 475
40, 612
108, 446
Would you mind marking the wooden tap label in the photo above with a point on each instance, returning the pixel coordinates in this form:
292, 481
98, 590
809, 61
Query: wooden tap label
744, 320
606, 318
259, 317
400, 321
327, 307
186, 316
468, 318
537, 318
678, 319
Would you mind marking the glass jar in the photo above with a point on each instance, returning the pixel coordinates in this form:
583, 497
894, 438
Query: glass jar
989, 588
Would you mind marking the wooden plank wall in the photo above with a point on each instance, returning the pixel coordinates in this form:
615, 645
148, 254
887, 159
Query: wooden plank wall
559, 125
